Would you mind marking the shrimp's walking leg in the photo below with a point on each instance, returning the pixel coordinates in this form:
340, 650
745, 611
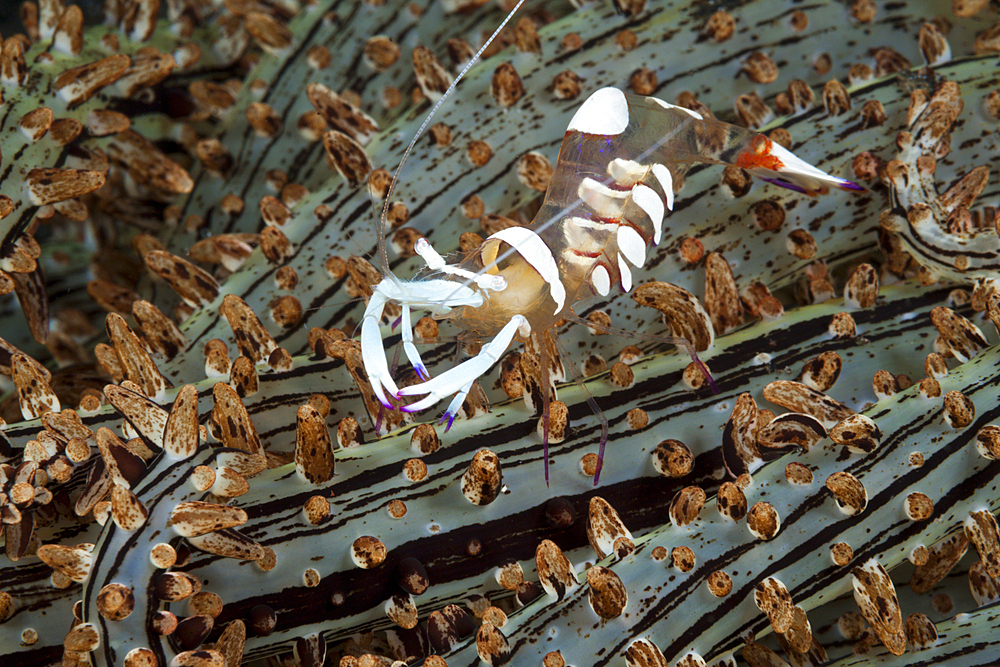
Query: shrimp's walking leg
372, 352
462, 376
455, 405
543, 360
410, 348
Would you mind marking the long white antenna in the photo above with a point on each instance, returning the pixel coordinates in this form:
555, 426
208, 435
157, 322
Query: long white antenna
383, 254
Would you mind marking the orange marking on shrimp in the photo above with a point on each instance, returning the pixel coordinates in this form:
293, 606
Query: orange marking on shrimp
758, 155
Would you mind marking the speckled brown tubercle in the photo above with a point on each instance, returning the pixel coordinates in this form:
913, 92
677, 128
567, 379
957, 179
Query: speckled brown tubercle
347, 156
402, 610
876, 596
555, 572
229, 484
791, 430
731, 502
252, 338
861, 290
368, 551
644, 653
960, 336
506, 86
739, 437
35, 395
232, 641
672, 458
988, 442
181, 433
160, 332
558, 422
75, 562
686, 505
229, 544
432, 77
491, 645
78, 84
175, 586
242, 374
848, 491
821, 372
115, 602
604, 527
192, 518
981, 530
798, 641
136, 363
534, 171
127, 511
424, 439
858, 433
272, 35
193, 285
772, 598
147, 164
763, 521
275, 245
483, 480
798, 397
198, 658
236, 429
124, 467
82, 638
684, 314
314, 459
607, 593
959, 410
721, 294
51, 185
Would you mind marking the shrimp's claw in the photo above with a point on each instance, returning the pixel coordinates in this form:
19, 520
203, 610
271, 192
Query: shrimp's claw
459, 379
775, 164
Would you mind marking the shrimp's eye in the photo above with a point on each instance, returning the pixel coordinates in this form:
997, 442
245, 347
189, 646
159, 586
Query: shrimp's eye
760, 145
758, 155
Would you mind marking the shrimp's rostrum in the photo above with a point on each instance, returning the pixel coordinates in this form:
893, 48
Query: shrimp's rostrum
609, 193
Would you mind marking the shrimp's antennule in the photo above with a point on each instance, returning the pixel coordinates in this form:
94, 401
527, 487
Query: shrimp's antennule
383, 255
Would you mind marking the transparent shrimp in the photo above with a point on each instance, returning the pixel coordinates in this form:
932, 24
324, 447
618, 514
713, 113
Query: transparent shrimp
609, 193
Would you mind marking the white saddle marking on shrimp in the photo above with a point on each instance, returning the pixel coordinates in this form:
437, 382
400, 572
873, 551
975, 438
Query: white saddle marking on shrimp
631, 245
626, 172
646, 198
605, 113
587, 223
601, 280
626, 274
668, 105
666, 182
607, 202
531, 246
